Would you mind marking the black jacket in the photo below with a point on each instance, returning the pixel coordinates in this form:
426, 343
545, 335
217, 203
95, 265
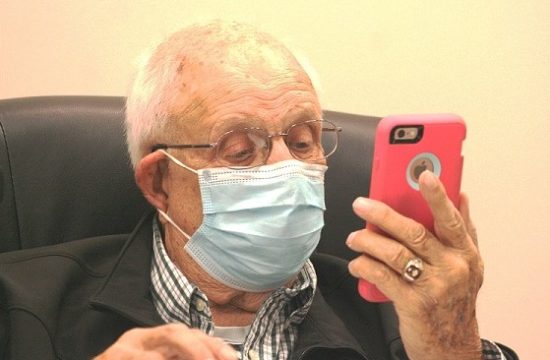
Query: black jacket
73, 300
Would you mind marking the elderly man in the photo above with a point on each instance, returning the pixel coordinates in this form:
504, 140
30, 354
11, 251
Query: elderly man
225, 134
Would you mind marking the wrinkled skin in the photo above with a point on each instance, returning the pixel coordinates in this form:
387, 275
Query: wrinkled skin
436, 312
221, 88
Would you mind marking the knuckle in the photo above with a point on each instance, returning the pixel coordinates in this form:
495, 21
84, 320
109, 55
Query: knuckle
454, 222
381, 275
417, 235
382, 212
170, 328
458, 268
134, 333
399, 258
465, 271
462, 269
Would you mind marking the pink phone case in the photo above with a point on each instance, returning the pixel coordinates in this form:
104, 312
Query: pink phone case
396, 167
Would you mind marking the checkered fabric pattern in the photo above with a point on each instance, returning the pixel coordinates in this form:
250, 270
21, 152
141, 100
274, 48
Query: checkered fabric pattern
273, 332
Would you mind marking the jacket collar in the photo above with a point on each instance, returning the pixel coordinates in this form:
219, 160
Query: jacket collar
323, 329
126, 290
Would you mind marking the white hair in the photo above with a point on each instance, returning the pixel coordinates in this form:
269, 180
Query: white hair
156, 89
146, 110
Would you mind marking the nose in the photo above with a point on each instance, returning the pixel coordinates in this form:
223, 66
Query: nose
279, 151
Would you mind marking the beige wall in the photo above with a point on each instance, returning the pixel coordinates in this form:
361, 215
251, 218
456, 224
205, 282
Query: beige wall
486, 60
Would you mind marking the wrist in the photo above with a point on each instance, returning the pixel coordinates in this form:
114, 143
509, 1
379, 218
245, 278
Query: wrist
455, 346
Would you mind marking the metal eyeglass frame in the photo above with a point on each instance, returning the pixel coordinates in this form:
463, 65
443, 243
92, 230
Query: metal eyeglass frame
269, 138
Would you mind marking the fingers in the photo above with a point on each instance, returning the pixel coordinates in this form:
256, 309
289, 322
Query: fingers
405, 230
196, 344
464, 209
221, 349
448, 222
453, 227
379, 247
172, 341
386, 280
441, 300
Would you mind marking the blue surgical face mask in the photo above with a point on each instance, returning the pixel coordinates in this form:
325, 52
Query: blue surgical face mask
260, 225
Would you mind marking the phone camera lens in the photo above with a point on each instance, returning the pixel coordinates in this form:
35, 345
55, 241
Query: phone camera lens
401, 133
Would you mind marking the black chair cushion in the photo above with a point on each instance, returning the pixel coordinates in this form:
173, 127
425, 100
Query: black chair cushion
65, 171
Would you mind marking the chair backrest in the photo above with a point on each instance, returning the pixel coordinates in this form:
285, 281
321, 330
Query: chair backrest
348, 177
65, 173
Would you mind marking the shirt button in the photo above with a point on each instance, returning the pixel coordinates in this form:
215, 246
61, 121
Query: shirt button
201, 305
253, 355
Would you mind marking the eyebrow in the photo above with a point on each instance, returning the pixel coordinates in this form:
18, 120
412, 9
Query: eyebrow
247, 121
301, 114
221, 127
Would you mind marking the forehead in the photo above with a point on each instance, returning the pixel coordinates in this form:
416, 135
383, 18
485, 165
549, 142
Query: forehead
264, 121
241, 104
259, 85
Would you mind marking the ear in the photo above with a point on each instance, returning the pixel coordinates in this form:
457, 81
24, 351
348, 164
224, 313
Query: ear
149, 173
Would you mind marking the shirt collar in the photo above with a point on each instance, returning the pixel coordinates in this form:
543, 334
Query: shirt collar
176, 299
174, 296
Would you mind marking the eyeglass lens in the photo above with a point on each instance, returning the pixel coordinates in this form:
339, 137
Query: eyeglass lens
307, 141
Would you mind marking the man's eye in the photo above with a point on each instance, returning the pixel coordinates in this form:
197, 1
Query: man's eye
237, 149
238, 155
301, 140
301, 146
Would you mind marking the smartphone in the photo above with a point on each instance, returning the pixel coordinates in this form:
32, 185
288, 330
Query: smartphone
405, 146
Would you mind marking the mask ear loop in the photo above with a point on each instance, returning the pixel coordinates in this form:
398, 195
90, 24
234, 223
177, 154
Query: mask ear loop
162, 213
173, 223
171, 157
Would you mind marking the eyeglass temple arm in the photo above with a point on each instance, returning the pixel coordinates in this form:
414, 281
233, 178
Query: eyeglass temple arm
181, 146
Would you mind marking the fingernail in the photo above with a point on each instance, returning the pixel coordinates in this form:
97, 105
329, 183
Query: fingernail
229, 354
350, 238
351, 267
361, 203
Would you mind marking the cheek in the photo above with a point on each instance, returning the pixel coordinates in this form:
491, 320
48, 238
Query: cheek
184, 203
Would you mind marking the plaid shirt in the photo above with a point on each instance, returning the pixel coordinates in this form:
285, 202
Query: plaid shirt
273, 332
275, 328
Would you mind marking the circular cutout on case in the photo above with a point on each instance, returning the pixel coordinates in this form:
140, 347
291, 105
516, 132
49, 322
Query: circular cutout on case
420, 163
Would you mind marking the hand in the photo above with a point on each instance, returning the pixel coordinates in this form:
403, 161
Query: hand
172, 341
437, 311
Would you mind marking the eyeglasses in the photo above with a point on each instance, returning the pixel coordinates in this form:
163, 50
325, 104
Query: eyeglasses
309, 141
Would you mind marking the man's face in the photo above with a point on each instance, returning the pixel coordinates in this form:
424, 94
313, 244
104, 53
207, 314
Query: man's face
272, 94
